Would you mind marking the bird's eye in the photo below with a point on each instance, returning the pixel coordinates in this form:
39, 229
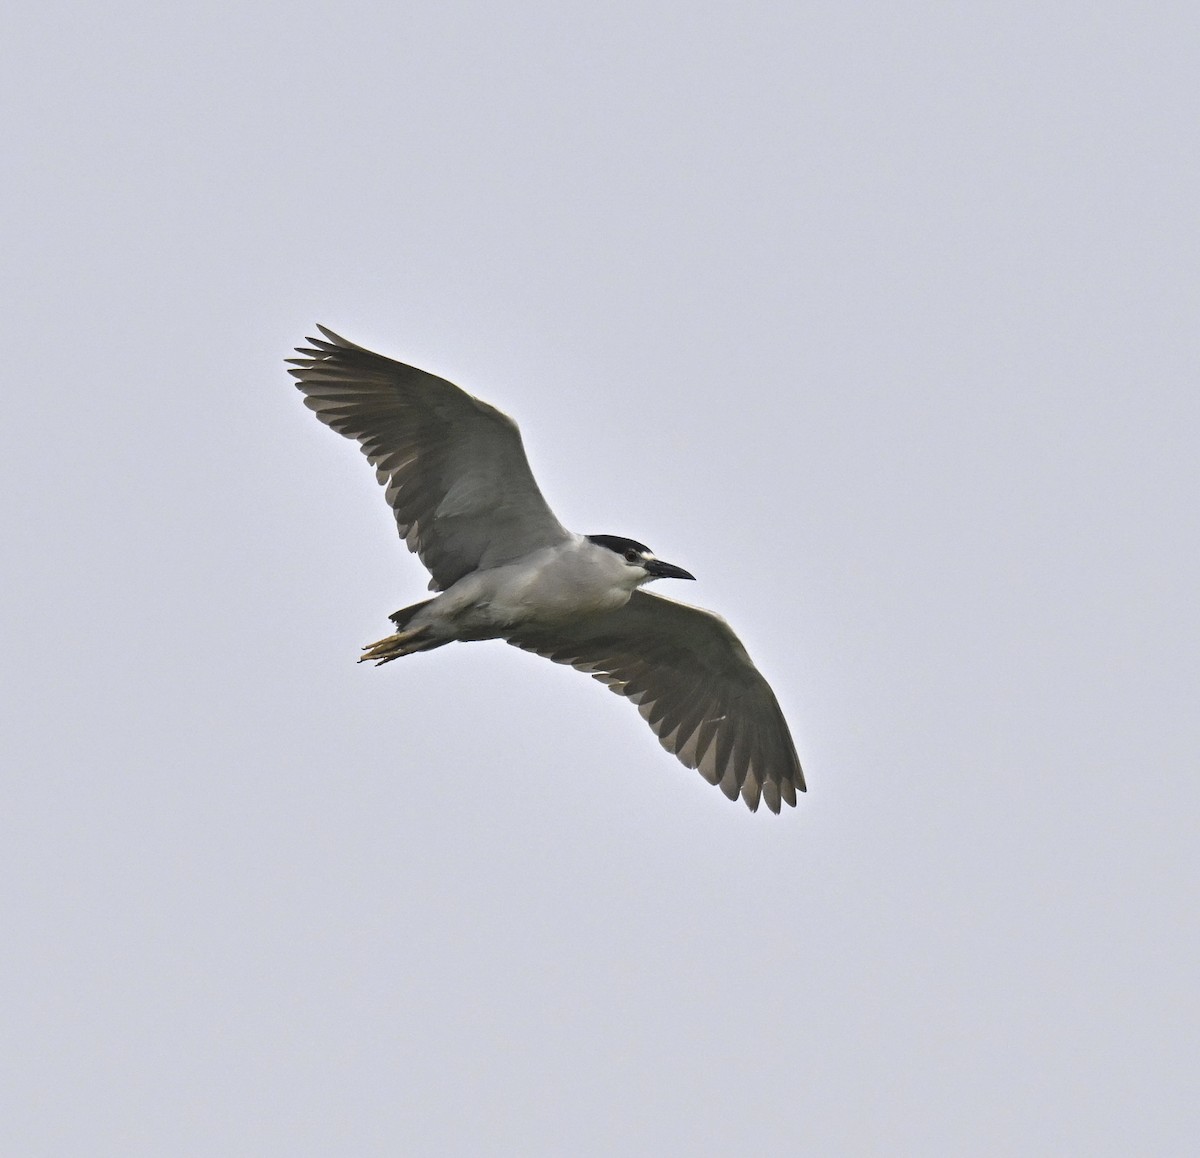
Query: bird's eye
632, 556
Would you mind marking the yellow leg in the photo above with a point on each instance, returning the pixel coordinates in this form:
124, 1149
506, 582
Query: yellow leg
393, 646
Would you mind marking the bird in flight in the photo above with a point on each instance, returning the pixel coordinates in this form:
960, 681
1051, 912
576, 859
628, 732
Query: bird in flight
465, 500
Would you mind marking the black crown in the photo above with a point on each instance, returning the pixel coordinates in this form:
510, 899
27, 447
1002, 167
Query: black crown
619, 544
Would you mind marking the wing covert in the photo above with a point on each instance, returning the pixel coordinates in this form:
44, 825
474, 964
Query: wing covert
694, 684
454, 468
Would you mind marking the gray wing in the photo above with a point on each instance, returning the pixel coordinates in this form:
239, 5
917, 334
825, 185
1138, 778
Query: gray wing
455, 470
694, 684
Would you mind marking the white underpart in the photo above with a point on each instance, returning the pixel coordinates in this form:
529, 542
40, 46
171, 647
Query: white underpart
554, 585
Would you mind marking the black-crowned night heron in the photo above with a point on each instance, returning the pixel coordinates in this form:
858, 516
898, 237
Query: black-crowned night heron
466, 502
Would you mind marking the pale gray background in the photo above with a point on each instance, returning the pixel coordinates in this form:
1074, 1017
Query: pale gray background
880, 318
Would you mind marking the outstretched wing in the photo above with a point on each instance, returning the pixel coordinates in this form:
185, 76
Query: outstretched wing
455, 470
694, 684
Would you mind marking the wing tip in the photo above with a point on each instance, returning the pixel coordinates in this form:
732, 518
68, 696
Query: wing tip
318, 349
334, 339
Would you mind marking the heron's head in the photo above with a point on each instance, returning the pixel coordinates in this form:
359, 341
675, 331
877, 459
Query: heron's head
641, 561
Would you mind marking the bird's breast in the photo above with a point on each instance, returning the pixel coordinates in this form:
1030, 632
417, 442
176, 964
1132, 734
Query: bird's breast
546, 588
560, 592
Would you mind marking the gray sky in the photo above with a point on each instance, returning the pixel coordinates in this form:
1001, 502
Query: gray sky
880, 319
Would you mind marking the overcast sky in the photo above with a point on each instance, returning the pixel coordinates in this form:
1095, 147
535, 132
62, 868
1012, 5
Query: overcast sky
880, 319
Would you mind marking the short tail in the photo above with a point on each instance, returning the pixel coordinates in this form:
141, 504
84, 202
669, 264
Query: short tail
401, 618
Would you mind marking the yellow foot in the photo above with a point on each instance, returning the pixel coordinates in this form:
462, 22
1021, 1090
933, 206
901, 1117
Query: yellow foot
393, 646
